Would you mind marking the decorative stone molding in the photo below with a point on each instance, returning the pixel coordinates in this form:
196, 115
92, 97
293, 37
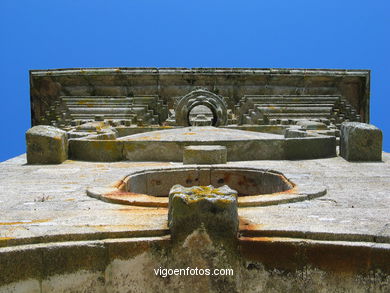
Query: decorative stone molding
215, 103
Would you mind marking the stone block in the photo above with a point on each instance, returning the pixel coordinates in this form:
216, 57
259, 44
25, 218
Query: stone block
46, 145
62, 258
311, 125
360, 142
20, 263
294, 132
205, 154
305, 148
203, 207
95, 150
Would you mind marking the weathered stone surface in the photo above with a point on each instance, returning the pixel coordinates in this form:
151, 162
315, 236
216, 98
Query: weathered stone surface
310, 147
353, 213
295, 132
151, 187
205, 154
95, 150
168, 145
360, 142
214, 209
214, 102
230, 83
312, 125
201, 120
46, 145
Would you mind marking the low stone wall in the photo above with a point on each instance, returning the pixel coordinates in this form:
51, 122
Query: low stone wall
172, 151
258, 265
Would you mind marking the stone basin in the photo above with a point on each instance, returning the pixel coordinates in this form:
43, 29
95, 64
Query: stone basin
255, 187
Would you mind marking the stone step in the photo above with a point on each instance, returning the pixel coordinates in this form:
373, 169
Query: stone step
109, 116
98, 105
294, 105
146, 99
325, 110
101, 110
297, 115
314, 99
118, 100
94, 98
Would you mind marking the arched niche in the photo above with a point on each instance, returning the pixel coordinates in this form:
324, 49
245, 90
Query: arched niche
215, 103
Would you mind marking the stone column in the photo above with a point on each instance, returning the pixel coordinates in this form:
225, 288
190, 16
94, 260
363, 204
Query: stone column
213, 210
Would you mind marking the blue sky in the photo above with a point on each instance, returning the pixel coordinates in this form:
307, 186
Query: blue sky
45, 34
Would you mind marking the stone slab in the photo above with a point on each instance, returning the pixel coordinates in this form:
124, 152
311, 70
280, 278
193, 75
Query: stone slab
360, 142
310, 147
49, 202
205, 154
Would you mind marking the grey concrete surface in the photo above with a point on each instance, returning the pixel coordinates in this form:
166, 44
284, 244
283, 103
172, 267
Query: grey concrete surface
42, 203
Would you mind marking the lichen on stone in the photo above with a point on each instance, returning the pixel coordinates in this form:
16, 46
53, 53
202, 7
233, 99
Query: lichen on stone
196, 193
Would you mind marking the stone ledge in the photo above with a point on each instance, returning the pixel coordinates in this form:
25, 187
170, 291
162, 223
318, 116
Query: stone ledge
205, 154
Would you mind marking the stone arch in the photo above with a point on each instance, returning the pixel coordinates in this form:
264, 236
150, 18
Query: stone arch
215, 103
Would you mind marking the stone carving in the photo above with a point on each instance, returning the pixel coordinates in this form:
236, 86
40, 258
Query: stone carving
215, 103
290, 109
291, 103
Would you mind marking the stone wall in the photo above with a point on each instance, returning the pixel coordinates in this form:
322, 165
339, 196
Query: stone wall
169, 83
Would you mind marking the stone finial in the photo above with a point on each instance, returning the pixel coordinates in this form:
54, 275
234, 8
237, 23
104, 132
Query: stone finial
203, 207
46, 145
360, 142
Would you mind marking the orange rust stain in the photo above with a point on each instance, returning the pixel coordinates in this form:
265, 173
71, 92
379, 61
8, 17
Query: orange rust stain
25, 222
136, 199
120, 184
289, 191
70, 199
147, 211
6, 238
121, 193
189, 133
85, 103
245, 224
155, 137
266, 239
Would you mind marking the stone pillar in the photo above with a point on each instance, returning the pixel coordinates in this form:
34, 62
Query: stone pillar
360, 142
203, 207
46, 145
